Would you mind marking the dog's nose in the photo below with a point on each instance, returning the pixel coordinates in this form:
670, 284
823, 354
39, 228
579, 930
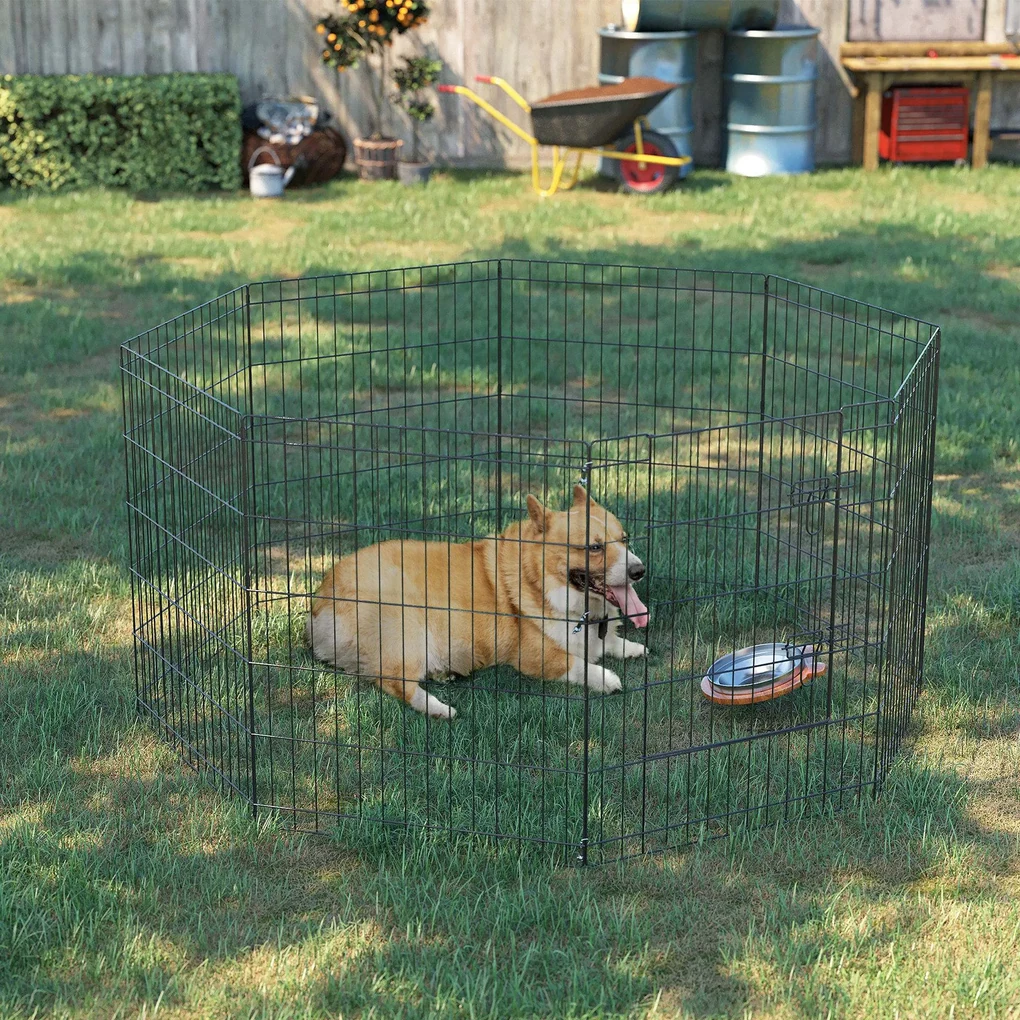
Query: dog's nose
636, 571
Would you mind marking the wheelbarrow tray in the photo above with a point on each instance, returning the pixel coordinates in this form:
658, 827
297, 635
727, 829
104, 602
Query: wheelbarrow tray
592, 117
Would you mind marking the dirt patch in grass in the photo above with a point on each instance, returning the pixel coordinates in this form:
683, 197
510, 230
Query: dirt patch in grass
197, 263
640, 227
959, 201
91, 302
270, 230
988, 505
976, 317
28, 547
1001, 271
517, 203
837, 201
430, 251
21, 415
23, 292
648, 228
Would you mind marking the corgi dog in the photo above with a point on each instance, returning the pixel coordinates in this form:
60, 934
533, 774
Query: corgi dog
401, 611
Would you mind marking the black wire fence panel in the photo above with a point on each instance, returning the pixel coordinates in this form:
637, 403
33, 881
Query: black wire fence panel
766, 449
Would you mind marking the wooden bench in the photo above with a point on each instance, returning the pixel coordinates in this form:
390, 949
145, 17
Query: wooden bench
877, 66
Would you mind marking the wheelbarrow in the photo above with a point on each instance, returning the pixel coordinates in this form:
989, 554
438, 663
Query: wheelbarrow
606, 121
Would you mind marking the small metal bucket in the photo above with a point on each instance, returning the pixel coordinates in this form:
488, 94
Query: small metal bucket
267, 180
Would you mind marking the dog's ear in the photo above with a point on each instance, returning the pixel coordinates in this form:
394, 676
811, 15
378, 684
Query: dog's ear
581, 495
536, 512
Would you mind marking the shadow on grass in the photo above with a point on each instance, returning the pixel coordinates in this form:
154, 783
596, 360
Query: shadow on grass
144, 874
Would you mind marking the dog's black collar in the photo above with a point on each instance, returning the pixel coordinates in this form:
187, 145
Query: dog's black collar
603, 623
580, 581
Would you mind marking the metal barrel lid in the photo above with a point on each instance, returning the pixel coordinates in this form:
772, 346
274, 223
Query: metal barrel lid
757, 664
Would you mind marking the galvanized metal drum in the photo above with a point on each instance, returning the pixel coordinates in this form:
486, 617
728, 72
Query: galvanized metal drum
681, 15
769, 80
670, 56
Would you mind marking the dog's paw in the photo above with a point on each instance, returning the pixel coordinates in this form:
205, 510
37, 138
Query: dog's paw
429, 704
605, 681
634, 650
595, 678
439, 709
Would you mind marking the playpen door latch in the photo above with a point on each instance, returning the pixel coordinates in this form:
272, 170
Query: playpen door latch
822, 488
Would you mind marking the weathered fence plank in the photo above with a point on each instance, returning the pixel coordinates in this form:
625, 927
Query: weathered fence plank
540, 46
874, 20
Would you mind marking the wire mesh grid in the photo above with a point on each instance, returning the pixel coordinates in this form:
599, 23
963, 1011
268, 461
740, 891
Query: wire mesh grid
733, 458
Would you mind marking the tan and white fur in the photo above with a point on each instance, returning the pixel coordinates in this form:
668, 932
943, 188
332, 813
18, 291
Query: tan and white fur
401, 611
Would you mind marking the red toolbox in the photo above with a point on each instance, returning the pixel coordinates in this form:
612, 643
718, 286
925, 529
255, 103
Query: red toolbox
924, 123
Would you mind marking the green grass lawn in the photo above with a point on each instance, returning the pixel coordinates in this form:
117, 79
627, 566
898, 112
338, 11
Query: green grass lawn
129, 887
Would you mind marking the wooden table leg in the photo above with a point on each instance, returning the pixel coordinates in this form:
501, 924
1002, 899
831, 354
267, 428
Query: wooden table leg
982, 120
857, 131
872, 120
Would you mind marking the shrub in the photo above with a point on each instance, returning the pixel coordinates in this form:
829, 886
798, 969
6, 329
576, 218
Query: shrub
417, 75
174, 131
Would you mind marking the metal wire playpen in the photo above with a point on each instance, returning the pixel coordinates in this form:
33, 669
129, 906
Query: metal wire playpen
766, 446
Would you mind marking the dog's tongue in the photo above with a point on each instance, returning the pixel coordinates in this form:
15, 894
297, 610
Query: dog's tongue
630, 605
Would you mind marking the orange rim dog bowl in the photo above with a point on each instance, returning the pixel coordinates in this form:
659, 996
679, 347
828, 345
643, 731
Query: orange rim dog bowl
760, 673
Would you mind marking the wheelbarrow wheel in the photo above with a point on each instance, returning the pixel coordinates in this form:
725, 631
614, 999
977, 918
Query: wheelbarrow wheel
647, 178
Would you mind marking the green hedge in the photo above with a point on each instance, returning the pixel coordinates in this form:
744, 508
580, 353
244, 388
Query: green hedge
180, 132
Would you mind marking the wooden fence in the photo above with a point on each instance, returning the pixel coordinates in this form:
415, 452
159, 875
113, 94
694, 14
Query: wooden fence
541, 46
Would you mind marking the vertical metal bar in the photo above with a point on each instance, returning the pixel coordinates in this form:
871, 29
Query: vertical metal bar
886, 715
929, 470
132, 563
582, 852
247, 509
499, 394
833, 588
761, 429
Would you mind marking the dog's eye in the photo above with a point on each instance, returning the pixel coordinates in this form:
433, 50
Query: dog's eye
595, 547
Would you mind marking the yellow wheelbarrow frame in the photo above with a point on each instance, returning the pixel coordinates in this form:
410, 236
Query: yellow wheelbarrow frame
560, 154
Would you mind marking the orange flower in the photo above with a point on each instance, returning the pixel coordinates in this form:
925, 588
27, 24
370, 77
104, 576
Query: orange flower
321, 29
331, 37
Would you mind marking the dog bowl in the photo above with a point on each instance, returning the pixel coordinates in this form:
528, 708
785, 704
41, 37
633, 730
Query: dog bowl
760, 673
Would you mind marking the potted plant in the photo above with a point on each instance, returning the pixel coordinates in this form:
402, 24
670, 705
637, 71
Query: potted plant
366, 29
417, 75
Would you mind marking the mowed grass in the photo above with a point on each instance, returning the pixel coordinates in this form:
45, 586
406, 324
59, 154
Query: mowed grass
128, 887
